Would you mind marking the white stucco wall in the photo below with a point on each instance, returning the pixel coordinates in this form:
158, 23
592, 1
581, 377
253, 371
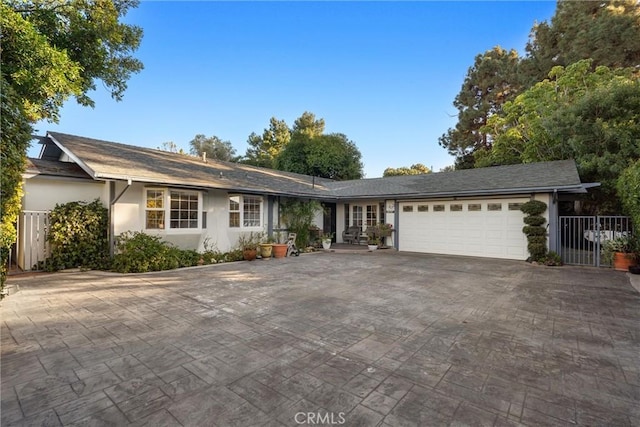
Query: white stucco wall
42, 194
129, 215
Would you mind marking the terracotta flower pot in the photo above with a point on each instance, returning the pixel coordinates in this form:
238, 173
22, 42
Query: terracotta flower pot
622, 261
279, 250
249, 254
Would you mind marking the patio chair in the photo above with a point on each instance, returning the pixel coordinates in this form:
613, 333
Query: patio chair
351, 234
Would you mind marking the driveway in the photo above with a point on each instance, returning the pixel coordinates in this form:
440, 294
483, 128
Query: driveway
358, 339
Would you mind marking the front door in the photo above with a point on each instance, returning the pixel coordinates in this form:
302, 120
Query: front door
329, 220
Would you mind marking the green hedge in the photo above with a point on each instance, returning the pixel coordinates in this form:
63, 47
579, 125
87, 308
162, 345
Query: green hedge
15, 136
78, 235
534, 220
628, 187
138, 252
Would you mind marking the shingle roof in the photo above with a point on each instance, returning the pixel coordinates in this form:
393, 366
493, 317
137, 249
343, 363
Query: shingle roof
560, 175
55, 168
111, 160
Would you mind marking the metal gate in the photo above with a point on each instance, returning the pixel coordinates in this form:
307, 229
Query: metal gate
31, 248
581, 237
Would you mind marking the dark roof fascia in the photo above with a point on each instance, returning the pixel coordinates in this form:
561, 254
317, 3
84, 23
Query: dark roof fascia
231, 188
31, 174
565, 189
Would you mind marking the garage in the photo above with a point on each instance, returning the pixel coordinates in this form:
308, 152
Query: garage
476, 227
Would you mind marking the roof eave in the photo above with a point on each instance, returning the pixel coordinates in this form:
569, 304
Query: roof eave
575, 188
236, 188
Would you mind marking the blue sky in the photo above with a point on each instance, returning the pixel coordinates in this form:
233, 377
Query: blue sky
383, 73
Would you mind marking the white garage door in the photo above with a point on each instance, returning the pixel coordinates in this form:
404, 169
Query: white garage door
484, 228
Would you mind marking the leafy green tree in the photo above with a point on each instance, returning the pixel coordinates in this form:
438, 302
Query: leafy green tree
52, 50
328, 156
263, 149
629, 191
307, 126
14, 141
213, 146
590, 116
416, 169
491, 82
298, 215
607, 32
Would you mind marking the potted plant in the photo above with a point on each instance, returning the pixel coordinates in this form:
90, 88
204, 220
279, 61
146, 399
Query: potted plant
279, 249
249, 245
326, 241
266, 248
373, 242
620, 252
385, 231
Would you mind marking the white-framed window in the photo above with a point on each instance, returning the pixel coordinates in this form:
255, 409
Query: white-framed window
245, 211
155, 209
372, 215
184, 209
180, 207
356, 216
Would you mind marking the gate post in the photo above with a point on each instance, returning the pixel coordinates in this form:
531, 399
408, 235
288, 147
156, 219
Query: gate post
553, 230
596, 255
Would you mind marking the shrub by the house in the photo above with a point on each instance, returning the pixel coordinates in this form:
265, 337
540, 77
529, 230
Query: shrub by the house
138, 252
78, 236
534, 229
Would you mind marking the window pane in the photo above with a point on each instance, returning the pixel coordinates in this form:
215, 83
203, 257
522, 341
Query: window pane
155, 220
346, 216
184, 205
372, 215
234, 203
357, 216
251, 211
234, 219
155, 199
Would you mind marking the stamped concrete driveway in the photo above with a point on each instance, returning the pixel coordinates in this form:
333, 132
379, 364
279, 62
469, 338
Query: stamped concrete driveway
350, 339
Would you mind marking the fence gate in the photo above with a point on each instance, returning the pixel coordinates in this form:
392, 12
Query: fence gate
581, 237
31, 245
